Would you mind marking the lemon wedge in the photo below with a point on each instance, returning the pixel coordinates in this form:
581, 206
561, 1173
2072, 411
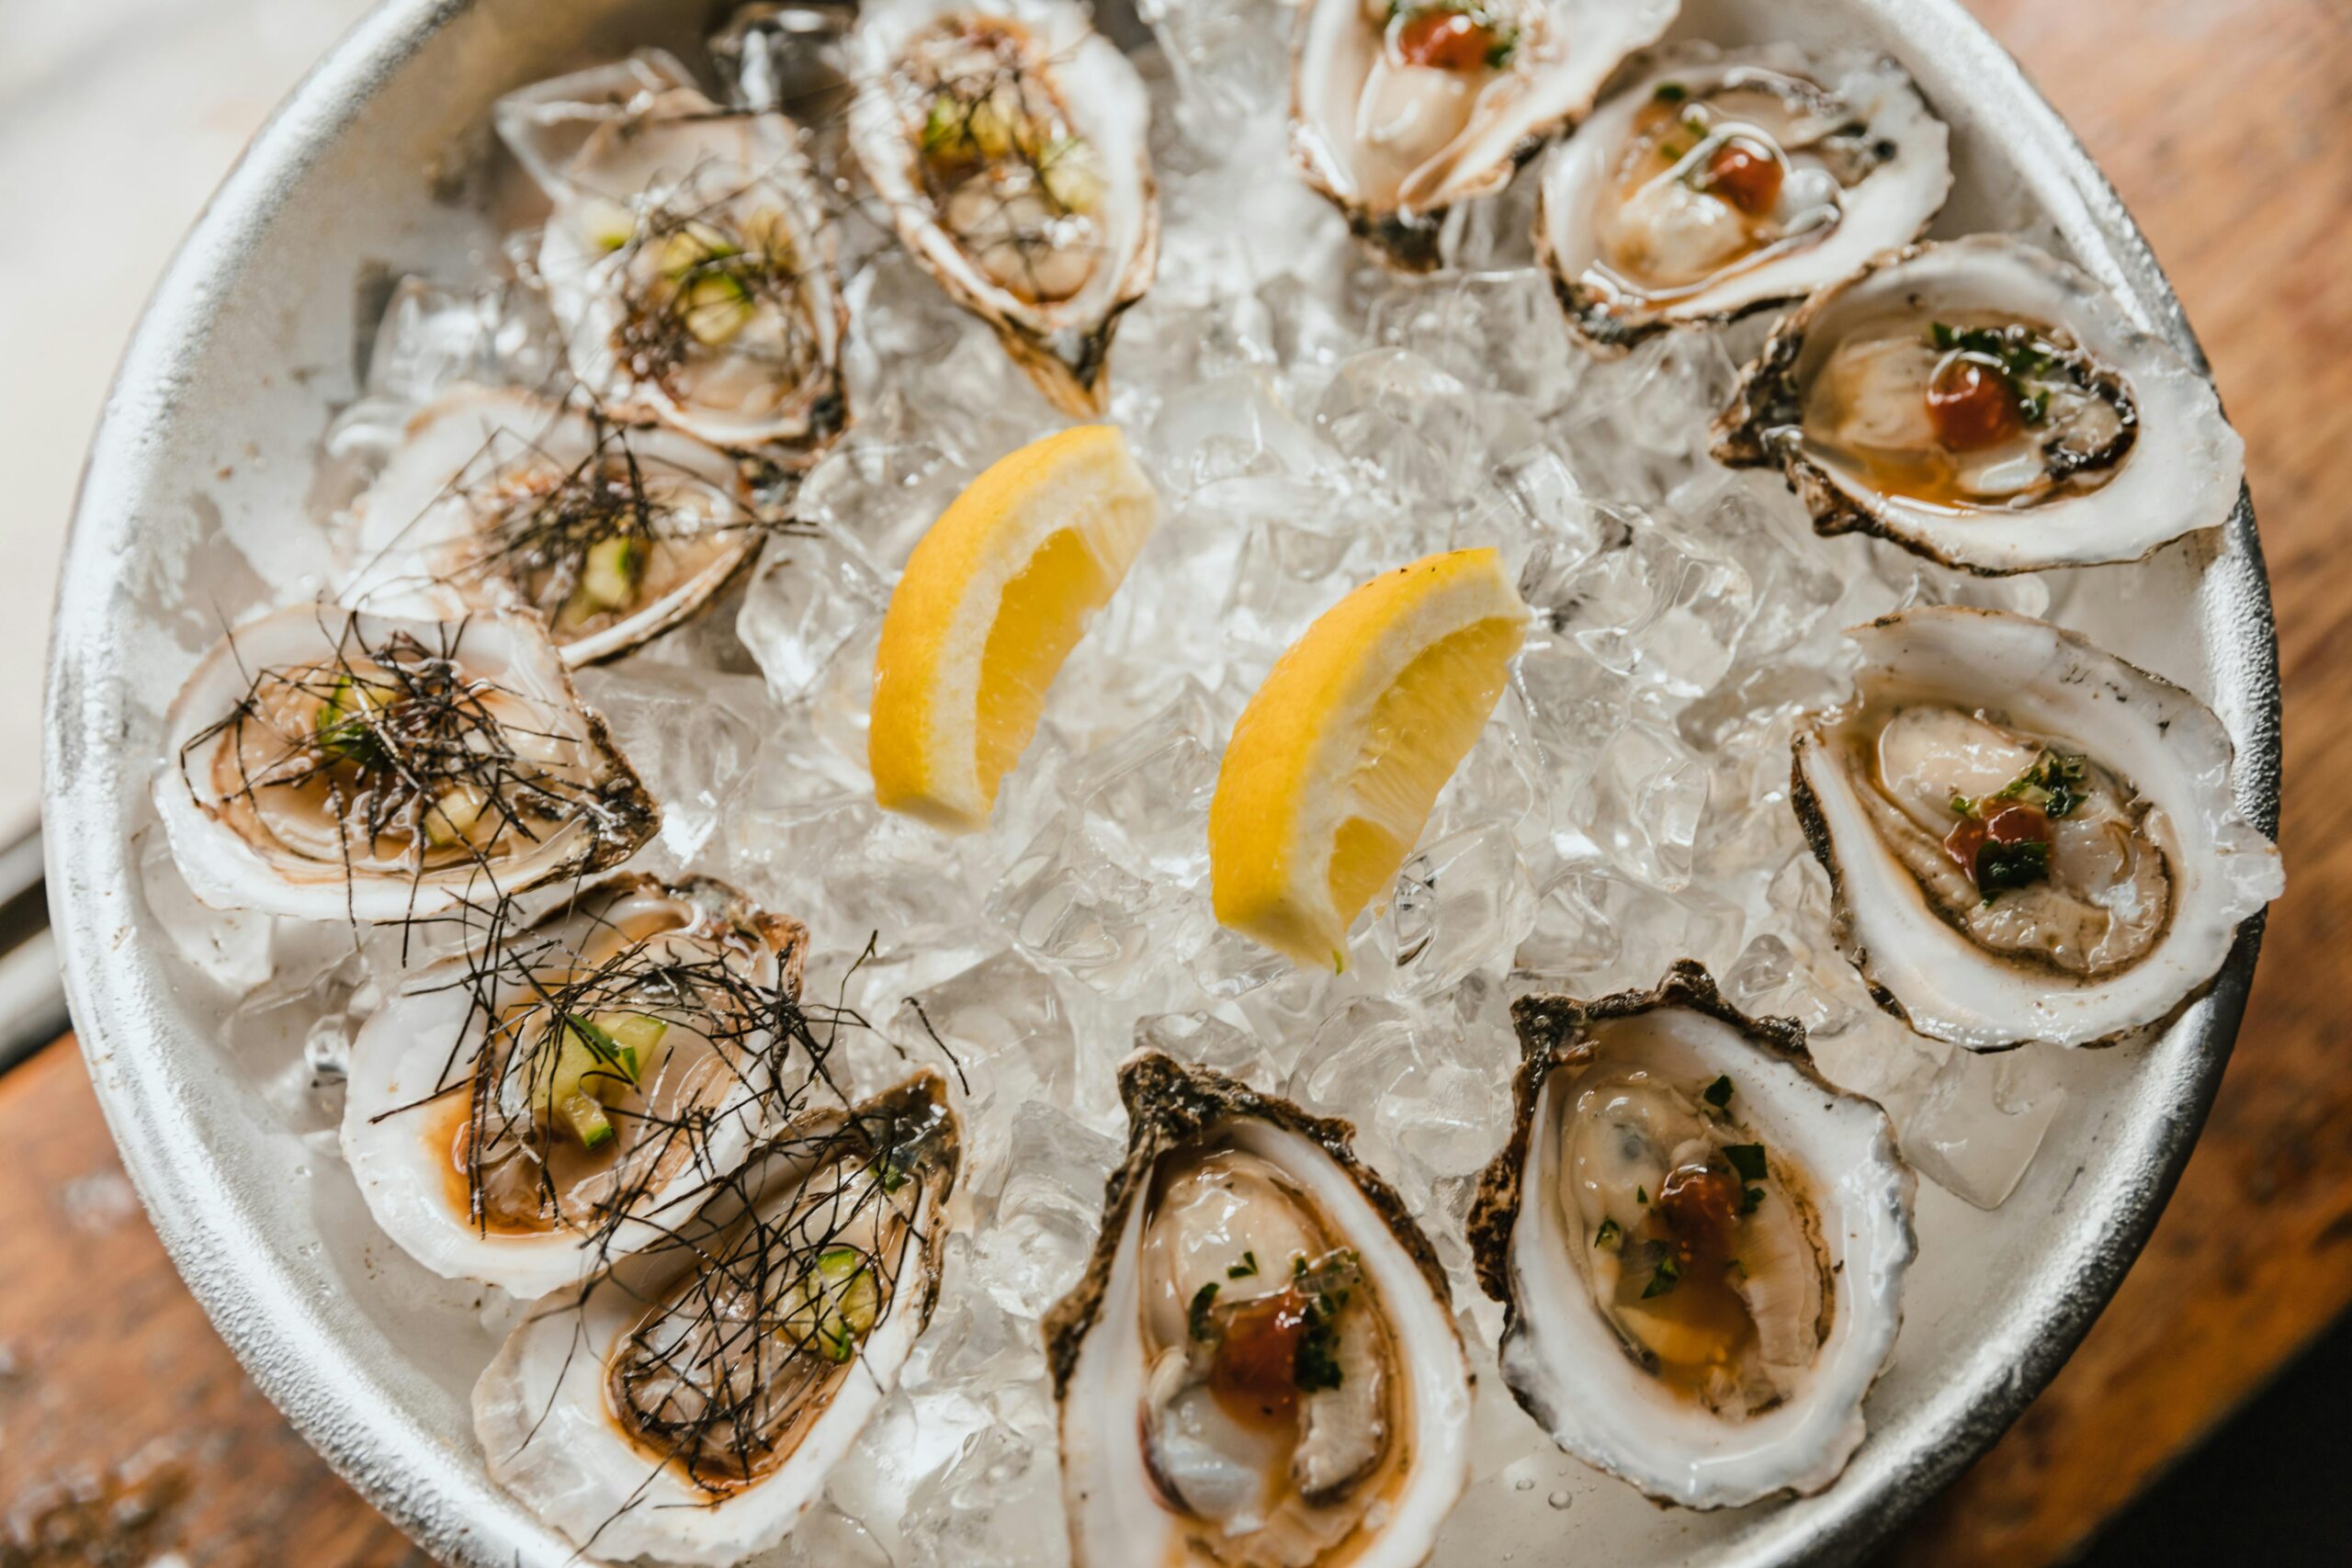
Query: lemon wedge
994, 597
1336, 762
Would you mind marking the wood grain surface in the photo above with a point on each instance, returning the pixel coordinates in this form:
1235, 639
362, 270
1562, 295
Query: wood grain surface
127, 1432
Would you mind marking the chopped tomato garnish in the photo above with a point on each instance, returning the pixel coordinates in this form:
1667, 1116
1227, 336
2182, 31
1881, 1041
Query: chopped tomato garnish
2011, 822
1746, 175
1255, 1375
1973, 405
1445, 41
1699, 1203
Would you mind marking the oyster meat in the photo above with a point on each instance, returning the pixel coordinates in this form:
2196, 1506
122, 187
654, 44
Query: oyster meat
1260, 1366
613, 535
1721, 183
1700, 1243
689, 1405
688, 257
1402, 109
1987, 406
527, 1114
335, 766
1009, 141
2029, 838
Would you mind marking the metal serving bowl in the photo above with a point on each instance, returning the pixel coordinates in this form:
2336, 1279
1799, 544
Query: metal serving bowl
373, 168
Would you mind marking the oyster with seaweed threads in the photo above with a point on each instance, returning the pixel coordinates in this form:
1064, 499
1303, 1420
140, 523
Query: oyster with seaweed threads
1700, 1243
1984, 405
1721, 183
495, 498
1403, 109
334, 765
1009, 140
527, 1114
1260, 1365
687, 258
2028, 837
689, 1405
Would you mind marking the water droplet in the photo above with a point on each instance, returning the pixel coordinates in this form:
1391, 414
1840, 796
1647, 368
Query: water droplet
1561, 1498
1524, 1484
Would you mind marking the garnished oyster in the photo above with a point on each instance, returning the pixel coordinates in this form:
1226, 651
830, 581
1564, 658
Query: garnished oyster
525, 1114
2029, 838
1009, 140
1700, 1242
613, 535
1402, 109
1260, 1365
1722, 182
335, 766
689, 1405
687, 258
1989, 407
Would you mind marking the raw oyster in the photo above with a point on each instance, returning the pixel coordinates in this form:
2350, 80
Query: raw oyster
1260, 1366
1984, 405
2028, 838
497, 497
524, 1115
1009, 140
689, 1405
1721, 183
1700, 1243
335, 766
687, 258
1402, 109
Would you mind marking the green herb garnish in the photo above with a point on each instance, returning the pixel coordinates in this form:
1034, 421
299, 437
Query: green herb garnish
1243, 1270
1667, 1275
1750, 1199
1747, 1159
1718, 1093
1197, 1317
1671, 92
1610, 1233
2000, 867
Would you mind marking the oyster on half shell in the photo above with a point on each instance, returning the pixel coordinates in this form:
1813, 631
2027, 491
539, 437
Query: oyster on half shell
496, 498
1700, 1242
688, 257
527, 1114
2028, 837
333, 765
689, 1404
1403, 109
1011, 143
1982, 404
1721, 183
1260, 1366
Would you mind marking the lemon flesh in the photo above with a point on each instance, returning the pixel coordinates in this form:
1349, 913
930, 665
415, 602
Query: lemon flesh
995, 597
1340, 757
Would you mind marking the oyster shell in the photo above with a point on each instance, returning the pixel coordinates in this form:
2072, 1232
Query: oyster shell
499, 499
687, 259
1009, 140
1401, 111
1987, 406
1700, 1242
1721, 183
1260, 1365
330, 764
2029, 838
525, 1114
690, 1404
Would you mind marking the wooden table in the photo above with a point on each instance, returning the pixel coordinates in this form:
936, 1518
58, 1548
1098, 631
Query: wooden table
126, 1431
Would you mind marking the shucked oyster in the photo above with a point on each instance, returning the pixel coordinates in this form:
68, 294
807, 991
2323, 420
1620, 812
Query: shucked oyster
687, 257
2029, 838
1984, 405
335, 766
1009, 140
496, 498
689, 1406
524, 1115
1701, 1244
1401, 109
1260, 1366
1720, 183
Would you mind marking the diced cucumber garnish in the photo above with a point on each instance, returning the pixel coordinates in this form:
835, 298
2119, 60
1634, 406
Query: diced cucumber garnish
715, 307
342, 723
599, 1058
1072, 175
450, 818
609, 572
835, 1306
586, 1121
695, 245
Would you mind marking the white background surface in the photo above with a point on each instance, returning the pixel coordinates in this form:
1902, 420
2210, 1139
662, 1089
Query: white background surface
117, 119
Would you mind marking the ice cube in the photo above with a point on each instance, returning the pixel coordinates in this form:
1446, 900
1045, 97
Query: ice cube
810, 594
1982, 1121
1458, 903
692, 734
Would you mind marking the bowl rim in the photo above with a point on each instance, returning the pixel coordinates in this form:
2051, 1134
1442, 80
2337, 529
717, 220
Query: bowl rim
281, 1336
